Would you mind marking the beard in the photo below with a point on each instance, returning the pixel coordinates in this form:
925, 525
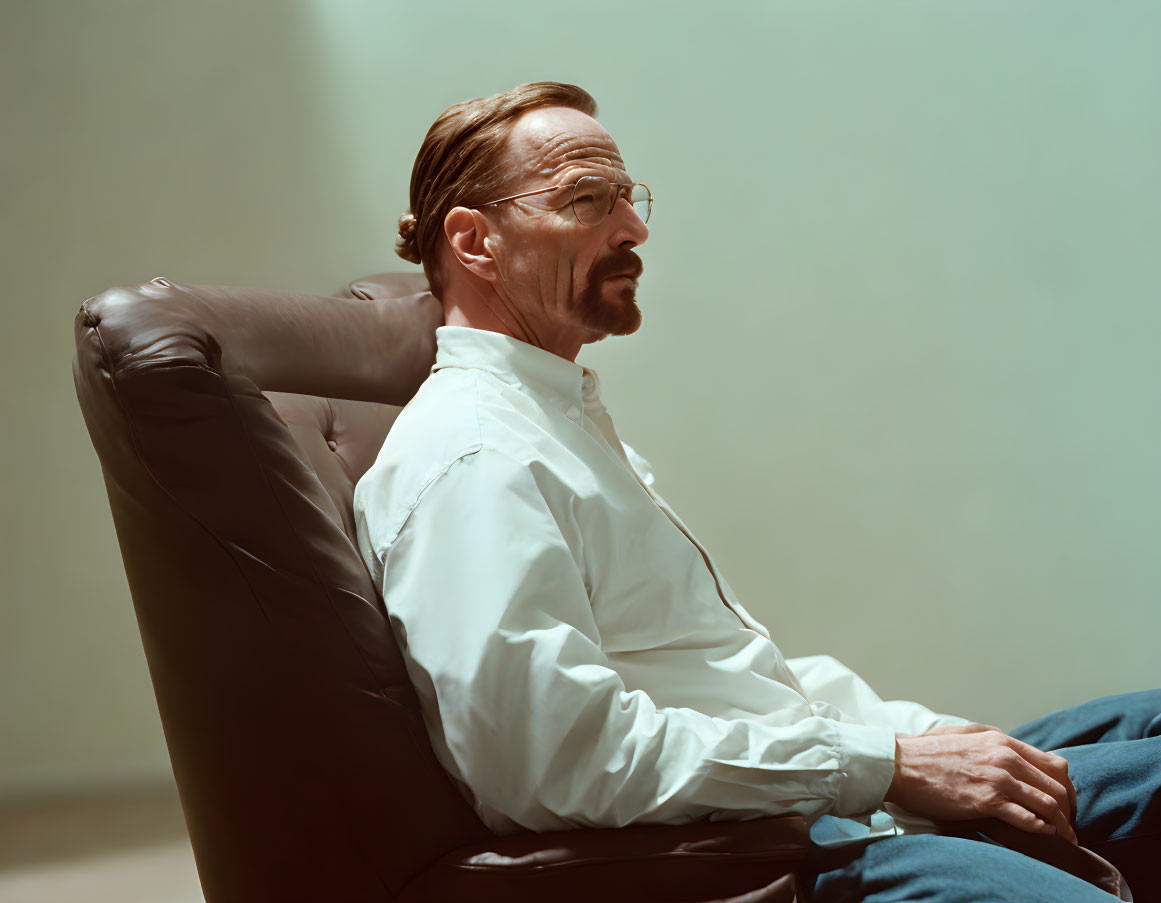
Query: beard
618, 314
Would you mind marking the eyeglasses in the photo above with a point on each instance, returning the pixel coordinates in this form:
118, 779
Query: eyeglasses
594, 198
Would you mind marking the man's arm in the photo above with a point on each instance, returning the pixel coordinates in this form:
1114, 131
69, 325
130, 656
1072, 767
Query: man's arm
947, 767
487, 595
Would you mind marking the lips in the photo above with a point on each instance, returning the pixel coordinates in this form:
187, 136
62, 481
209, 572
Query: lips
632, 275
622, 263
635, 271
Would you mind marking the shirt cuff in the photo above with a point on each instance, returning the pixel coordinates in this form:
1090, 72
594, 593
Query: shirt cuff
944, 720
866, 767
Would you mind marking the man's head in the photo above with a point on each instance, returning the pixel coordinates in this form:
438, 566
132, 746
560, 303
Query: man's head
527, 266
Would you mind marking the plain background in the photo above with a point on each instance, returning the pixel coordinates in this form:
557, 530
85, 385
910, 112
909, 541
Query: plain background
899, 364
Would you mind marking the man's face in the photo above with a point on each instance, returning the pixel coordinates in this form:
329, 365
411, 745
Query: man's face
572, 283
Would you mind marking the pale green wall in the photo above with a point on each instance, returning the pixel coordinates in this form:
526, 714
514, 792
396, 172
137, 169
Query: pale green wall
898, 368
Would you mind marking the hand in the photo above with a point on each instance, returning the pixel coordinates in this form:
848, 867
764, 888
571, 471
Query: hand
957, 772
974, 727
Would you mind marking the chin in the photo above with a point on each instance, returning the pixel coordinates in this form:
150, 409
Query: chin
623, 317
632, 315
610, 312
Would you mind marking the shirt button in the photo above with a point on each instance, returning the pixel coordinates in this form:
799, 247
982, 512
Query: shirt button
572, 411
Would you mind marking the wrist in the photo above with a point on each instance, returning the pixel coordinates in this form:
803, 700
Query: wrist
893, 789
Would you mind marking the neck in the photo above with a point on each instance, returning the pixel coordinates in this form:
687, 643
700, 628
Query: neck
487, 310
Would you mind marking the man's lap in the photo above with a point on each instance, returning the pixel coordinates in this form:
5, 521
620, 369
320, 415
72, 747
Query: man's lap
1113, 746
950, 870
1125, 716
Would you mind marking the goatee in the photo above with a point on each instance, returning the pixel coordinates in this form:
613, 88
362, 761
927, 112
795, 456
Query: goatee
619, 315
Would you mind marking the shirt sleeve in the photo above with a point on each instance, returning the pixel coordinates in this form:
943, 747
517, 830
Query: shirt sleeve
826, 679
487, 594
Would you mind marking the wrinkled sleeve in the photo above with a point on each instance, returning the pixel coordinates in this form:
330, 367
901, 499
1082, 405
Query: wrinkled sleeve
486, 589
828, 680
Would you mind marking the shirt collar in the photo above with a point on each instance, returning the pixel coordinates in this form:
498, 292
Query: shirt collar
531, 369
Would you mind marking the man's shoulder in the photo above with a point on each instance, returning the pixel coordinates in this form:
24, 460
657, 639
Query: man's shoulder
455, 416
437, 428
457, 412
439, 425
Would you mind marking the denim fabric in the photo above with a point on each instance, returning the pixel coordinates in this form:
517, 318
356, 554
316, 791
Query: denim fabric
1113, 748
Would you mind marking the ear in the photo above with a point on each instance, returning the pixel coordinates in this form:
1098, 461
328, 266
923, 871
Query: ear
467, 232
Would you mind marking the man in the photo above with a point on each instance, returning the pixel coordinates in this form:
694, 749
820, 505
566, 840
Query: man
579, 658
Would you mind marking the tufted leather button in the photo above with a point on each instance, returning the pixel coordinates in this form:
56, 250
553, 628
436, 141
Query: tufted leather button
333, 444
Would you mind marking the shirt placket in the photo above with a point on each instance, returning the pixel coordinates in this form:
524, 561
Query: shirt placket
604, 423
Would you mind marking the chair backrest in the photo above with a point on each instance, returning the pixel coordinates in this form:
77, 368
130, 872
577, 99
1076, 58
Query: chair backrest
231, 425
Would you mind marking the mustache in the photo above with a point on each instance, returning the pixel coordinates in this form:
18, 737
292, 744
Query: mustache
621, 262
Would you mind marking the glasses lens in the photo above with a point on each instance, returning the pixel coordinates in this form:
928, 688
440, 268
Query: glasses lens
593, 198
642, 202
590, 200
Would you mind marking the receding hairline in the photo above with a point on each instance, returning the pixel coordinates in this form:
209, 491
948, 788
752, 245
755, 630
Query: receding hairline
558, 148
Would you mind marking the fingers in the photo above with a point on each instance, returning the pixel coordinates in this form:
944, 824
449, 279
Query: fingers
1032, 775
1044, 805
1053, 765
1019, 817
1037, 790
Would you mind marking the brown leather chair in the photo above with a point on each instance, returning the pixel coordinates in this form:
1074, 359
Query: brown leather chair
232, 425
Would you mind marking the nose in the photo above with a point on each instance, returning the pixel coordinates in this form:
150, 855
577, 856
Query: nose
630, 227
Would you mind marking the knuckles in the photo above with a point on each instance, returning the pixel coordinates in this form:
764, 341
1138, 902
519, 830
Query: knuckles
997, 780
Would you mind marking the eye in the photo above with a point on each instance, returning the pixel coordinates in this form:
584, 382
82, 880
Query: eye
591, 199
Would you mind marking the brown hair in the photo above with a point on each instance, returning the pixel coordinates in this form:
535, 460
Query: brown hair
458, 161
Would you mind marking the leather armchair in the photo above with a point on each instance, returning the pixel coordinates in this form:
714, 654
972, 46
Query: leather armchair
231, 425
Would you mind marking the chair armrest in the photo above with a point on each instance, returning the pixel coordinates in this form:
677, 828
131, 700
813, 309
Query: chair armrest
751, 860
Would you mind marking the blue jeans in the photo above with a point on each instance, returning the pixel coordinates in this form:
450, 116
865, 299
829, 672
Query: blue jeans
1113, 748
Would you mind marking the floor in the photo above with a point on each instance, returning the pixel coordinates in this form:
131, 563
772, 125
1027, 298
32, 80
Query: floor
129, 847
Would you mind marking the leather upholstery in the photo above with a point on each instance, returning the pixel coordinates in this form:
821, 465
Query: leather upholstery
231, 425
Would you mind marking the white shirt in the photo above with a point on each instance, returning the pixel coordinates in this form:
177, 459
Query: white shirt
578, 657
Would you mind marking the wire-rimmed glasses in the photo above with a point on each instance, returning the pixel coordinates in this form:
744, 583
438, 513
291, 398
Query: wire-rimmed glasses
593, 198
